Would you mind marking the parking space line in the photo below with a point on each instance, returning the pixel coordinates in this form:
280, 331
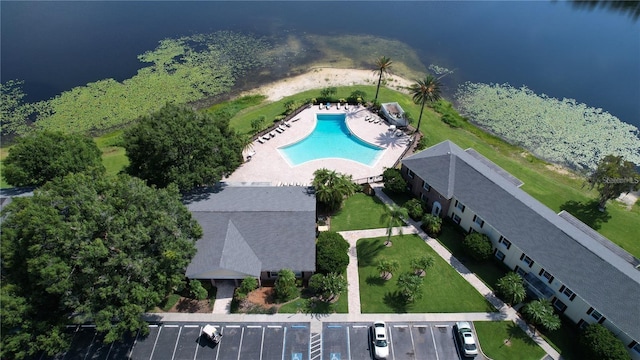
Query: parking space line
88, 326
218, 348
274, 326
93, 339
400, 326
191, 326
348, 344
420, 326
197, 342
232, 326
175, 347
253, 326
262, 344
359, 326
240, 345
284, 342
155, 343
393, 353
334, 326
413, 344
435, 347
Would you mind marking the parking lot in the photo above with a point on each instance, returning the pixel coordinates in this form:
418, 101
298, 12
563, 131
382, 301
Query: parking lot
269, 341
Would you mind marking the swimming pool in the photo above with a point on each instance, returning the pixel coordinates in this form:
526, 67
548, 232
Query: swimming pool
331, 139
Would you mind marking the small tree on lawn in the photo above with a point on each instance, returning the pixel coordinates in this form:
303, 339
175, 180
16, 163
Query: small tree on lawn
410, 286
421, 264
393, 216
387, 268
432, 224
197, 290
478, 246
613, 177
285, 287
328, 286
598, 343
393, 181
415, 208
540, 312
511, 288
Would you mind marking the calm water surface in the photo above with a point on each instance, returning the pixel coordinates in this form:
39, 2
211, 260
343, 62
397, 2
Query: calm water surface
552, 47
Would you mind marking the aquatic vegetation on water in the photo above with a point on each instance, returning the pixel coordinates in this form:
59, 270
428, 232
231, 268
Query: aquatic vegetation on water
561, 131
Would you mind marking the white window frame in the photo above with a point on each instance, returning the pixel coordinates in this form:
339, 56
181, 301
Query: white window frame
456, 219
527, 260
547, 275
500, 255
479, 223
636, 348
426, 186
567, 292
410, 173
506, 243
423, 197
596, 315
560, 308
460, 206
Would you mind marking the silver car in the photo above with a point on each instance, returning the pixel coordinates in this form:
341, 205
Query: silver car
379, 340
466, 339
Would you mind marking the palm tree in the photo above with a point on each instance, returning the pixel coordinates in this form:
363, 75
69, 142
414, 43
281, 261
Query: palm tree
383, 66
511, 287
387, 267
410, 287
432, 224
332, 187
421, 264
393, 216
540, 312
423, 91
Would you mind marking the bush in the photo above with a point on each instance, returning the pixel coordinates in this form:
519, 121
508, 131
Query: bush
511, 288
331, 253
478, 246
600, 343
422, 143
285, 287
356, 97
393, 181
432, 224
197, 290
415, 207
248, 285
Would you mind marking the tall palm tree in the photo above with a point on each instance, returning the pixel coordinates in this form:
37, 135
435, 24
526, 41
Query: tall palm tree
383, 66
423, 91
394, 216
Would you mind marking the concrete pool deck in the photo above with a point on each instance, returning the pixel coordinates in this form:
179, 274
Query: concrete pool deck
269, 167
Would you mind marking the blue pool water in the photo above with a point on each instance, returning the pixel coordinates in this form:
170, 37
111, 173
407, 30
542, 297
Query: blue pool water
331, 139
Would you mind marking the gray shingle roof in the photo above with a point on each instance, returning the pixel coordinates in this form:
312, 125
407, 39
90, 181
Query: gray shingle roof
603, 279
253, 229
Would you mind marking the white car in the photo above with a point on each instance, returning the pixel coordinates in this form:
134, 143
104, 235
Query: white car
466, 339
379, 340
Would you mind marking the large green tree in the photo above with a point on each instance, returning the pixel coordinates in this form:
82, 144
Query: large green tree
90, 248
332, 187
331, 253
382, 67
44, 156
540, 312
424, 91
613, 177
410, 286
181, 146
598, 343
478, 246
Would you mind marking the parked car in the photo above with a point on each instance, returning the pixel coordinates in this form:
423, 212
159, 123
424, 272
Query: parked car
212, 333
466, 339
379, 340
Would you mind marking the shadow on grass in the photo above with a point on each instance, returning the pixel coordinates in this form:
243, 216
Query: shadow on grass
368, 249
396, 302
515, 332
375, 280
588, 212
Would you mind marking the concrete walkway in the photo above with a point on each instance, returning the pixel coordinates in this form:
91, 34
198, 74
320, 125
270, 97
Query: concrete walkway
222, 305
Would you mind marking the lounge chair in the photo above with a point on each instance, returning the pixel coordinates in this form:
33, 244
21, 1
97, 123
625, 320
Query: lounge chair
346, 106
279, 130
328, 106
367, 118
273, 134
266, 137
261, 140
377, 121
286, 123
282, 127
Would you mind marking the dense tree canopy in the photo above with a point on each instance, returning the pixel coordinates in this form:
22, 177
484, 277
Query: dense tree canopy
478, 246
89, 247
332, 187
613, 177
331, 253
598, 343
44, 156
393, 180
181, 146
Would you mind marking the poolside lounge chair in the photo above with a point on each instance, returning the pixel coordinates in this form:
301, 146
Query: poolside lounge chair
273, 134
328, 106
282, 127
279, 130
261, 140
266, 137
367, 118
286, 123
346, 106
377, 121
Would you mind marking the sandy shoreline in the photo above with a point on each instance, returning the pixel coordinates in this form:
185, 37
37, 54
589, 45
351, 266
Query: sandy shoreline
325, 77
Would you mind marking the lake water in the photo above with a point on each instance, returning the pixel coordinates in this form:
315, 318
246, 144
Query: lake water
554, 48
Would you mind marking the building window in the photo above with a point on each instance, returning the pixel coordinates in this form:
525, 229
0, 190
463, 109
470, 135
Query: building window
456, 219
424, 198
410, 173
559, 305
460, 206
506, 243
547, 275
636, 347
594, 314
527, 260
567, 292
478, 220
426, 186
520, 272
272, 274
582, 324
500, 255
298, 274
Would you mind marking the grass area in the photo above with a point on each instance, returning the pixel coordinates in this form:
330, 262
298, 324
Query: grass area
564, 340
304, 304
351, 216
492, 336
444, 290
489, 271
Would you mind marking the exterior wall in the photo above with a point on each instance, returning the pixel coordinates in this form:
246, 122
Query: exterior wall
416, 187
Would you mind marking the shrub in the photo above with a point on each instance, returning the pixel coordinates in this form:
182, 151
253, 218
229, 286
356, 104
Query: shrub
331, 253
248, 285
432, 224
415, 207
540, 312
478, 246
393, 181
422, 143
357, 96
285, 287
197, 290
511, 288
598, 343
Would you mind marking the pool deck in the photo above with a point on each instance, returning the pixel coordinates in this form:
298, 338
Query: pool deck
268, 166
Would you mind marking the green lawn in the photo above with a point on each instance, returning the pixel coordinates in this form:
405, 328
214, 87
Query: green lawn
303, 304
444, 289
492, 336
352, 217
